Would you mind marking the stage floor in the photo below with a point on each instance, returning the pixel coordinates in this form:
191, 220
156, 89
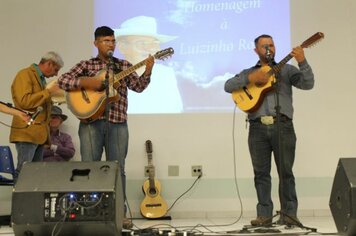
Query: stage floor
222, 226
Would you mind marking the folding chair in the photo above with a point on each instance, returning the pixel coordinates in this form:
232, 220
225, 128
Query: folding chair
6, 165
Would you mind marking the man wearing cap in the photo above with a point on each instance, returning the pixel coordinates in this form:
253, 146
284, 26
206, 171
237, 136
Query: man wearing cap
62, 147
137, 38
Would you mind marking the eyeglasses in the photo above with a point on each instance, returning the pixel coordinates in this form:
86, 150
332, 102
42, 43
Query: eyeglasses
108, 42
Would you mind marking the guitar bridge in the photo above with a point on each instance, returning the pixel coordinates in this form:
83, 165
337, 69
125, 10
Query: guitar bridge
85, 96
154, 205
248, 94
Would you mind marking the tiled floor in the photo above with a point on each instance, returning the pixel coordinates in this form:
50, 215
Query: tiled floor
220, 226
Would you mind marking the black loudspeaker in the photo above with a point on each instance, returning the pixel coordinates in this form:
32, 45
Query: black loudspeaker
343, 196
68, 198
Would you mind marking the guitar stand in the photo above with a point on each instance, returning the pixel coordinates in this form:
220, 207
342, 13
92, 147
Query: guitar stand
295, 223
270, 227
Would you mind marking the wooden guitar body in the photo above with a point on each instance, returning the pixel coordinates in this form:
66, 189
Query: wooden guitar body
153, 205
250, 97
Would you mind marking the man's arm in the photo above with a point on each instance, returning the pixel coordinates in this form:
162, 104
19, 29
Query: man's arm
136, 83
251, 75
66, 148
63, 147
27, 93
304, 77
76, 78
11, 111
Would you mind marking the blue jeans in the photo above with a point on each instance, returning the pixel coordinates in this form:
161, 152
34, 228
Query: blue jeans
93, 140
262, 142
27, 152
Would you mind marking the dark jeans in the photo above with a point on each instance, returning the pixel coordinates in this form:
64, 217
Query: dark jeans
27, 152
93, 141
262, 142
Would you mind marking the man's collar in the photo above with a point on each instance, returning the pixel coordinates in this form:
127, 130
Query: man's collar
38, 70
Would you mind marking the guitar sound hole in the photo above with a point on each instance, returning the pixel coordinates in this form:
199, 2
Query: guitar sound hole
152, 191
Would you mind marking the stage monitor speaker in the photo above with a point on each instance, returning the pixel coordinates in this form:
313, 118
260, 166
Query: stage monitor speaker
343, 196
68, 198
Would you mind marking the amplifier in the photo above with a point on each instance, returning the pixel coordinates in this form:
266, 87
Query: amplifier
68, 198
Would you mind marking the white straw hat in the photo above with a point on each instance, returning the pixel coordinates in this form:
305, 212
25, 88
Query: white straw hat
144, 26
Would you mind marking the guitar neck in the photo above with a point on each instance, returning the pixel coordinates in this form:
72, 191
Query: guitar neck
160, 55
119, 76
277, 68
151, 173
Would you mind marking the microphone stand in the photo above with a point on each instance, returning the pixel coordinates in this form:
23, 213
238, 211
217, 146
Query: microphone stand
277, 86
111, 65
107, 107
115, 70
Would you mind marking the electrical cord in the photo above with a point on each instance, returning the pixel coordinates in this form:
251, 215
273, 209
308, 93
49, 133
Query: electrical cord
73, 203
185, 192
194, 229
235, 181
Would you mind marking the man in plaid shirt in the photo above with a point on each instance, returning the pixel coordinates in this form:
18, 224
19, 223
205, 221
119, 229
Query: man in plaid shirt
93, 135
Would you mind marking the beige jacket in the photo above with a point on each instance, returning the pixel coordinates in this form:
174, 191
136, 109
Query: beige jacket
28, 94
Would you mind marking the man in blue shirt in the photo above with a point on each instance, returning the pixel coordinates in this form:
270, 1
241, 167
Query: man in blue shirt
264, 135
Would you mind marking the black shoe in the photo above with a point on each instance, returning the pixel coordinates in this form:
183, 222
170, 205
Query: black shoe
262, 221
127, 223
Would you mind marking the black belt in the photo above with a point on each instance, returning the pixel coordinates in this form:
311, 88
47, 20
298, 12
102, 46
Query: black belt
270, 120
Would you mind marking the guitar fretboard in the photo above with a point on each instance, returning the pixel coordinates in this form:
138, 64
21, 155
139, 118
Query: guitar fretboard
151, 173
119, 76
159, 55
278, 67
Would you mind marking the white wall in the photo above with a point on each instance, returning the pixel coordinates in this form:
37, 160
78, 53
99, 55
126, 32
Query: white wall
324, 117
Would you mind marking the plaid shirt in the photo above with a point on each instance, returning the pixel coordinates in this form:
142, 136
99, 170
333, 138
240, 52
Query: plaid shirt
89, 68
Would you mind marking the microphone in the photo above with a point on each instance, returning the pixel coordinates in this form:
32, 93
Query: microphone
33, 117
110, 54
268, 52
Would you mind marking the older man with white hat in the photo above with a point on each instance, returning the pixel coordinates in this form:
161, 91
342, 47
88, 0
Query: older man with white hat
138, 37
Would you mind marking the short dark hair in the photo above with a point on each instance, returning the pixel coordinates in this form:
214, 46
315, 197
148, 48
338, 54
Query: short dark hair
262, 36
103, 31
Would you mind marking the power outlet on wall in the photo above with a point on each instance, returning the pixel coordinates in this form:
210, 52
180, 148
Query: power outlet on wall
197, 170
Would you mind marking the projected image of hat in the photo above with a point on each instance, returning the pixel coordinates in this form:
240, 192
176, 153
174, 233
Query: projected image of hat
142, 26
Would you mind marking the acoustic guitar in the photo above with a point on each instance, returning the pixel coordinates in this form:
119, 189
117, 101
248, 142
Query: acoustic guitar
89, 105
153, 205
250, 97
